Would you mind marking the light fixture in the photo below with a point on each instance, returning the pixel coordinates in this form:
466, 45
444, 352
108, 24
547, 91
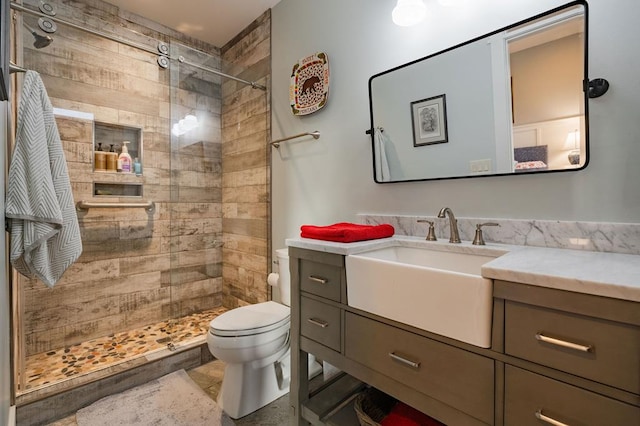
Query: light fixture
189, 122
408, 12
572, 141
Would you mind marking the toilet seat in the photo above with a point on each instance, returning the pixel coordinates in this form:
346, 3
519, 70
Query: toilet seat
250, 320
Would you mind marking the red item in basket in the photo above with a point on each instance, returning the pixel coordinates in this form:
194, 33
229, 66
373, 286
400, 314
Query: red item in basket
403, 415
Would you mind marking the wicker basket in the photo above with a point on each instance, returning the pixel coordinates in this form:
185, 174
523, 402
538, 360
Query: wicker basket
372, 406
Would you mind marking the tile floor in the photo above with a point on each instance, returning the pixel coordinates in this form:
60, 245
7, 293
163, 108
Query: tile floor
209, 378
55, 366
84, 359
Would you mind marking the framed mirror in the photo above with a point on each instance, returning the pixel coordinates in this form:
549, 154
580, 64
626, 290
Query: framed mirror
513, 101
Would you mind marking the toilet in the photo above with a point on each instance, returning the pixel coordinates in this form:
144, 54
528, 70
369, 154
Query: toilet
253, 342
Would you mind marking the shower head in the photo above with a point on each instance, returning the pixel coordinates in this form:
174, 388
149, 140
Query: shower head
40, 40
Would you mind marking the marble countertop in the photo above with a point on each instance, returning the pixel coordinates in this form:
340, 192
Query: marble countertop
597, 273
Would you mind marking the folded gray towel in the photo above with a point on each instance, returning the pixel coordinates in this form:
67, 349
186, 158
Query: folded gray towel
45, 236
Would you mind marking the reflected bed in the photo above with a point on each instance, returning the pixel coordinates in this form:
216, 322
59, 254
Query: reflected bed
530, 158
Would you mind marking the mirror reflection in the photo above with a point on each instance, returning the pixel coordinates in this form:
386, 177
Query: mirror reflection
510, 102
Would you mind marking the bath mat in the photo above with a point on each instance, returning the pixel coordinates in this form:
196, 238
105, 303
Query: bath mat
172, 400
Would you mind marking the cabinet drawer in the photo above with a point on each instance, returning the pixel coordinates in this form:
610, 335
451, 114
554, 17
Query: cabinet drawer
527, 393
320, 279
599, 350
461, 379
320, 322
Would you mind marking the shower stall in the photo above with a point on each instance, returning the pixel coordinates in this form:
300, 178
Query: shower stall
166, 248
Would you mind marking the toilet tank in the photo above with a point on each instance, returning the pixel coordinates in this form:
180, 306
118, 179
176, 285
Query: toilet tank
284, 282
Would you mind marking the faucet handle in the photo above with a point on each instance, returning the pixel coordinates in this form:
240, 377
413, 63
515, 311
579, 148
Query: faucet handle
478, 240
431, 235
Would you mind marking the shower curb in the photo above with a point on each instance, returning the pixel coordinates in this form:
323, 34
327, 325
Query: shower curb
65, 403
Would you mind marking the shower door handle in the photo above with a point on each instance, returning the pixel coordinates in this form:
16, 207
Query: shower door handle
4, 94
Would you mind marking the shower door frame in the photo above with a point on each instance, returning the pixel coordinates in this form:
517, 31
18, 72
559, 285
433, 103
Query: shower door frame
17, 330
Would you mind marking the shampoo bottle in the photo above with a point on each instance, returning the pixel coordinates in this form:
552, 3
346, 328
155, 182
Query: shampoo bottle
100, 159
112, 160
125, 159
137, 167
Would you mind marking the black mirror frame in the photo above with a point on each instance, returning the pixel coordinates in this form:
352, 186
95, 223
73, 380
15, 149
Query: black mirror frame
591, 89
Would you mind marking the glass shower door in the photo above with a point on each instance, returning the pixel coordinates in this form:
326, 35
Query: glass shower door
121, 300
195, 208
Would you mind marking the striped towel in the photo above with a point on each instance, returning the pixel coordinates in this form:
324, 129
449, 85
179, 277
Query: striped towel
45, 236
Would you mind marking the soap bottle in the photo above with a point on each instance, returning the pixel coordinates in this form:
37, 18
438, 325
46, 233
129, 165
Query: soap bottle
112, 160
125, 159
137, 167
118, 161
100, 159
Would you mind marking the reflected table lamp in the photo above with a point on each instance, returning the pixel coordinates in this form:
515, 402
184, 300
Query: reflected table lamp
573, 139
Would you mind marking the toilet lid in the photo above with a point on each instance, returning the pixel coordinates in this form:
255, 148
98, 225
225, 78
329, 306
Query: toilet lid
251, 319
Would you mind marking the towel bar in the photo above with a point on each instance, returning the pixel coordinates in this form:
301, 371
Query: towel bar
315, 134
13, 68
82, 205
369, 131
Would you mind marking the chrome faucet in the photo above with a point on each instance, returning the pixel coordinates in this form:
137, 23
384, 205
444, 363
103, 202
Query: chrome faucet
454, 236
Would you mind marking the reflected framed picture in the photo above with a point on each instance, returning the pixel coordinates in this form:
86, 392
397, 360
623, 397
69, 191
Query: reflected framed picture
429, 120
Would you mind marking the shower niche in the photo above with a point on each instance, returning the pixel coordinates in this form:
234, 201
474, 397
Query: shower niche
110, 180
110, 189
108, 142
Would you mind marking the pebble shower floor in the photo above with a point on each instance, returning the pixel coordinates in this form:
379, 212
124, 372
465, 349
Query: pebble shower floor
82, 358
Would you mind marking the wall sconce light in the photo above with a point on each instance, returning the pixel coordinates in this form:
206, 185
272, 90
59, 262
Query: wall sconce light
409, 12
572, 141
188, 123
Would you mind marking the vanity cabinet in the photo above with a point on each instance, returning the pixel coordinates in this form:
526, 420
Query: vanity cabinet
533, 399
455, 377
321, 279
556, 356
453, 385
571, 358
320, 322
599, 350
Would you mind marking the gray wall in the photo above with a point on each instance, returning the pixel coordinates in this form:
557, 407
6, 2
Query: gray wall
330, 180
465, 76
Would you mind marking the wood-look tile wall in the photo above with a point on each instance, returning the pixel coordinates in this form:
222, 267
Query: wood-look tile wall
246, 167
137, 268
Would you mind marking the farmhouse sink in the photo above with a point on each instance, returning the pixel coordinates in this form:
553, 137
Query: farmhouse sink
437, 291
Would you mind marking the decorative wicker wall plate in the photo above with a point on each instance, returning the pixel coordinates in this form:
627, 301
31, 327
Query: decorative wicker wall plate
309, 88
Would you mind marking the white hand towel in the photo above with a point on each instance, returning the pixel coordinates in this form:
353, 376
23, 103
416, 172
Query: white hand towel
45, 236
383, 172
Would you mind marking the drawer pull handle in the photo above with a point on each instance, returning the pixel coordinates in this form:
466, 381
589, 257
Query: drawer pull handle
319, 323
412, 364
318, 279
563, 343
548, 419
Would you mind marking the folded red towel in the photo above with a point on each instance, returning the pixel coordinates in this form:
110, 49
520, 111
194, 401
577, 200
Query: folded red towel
345, 232
404, 415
